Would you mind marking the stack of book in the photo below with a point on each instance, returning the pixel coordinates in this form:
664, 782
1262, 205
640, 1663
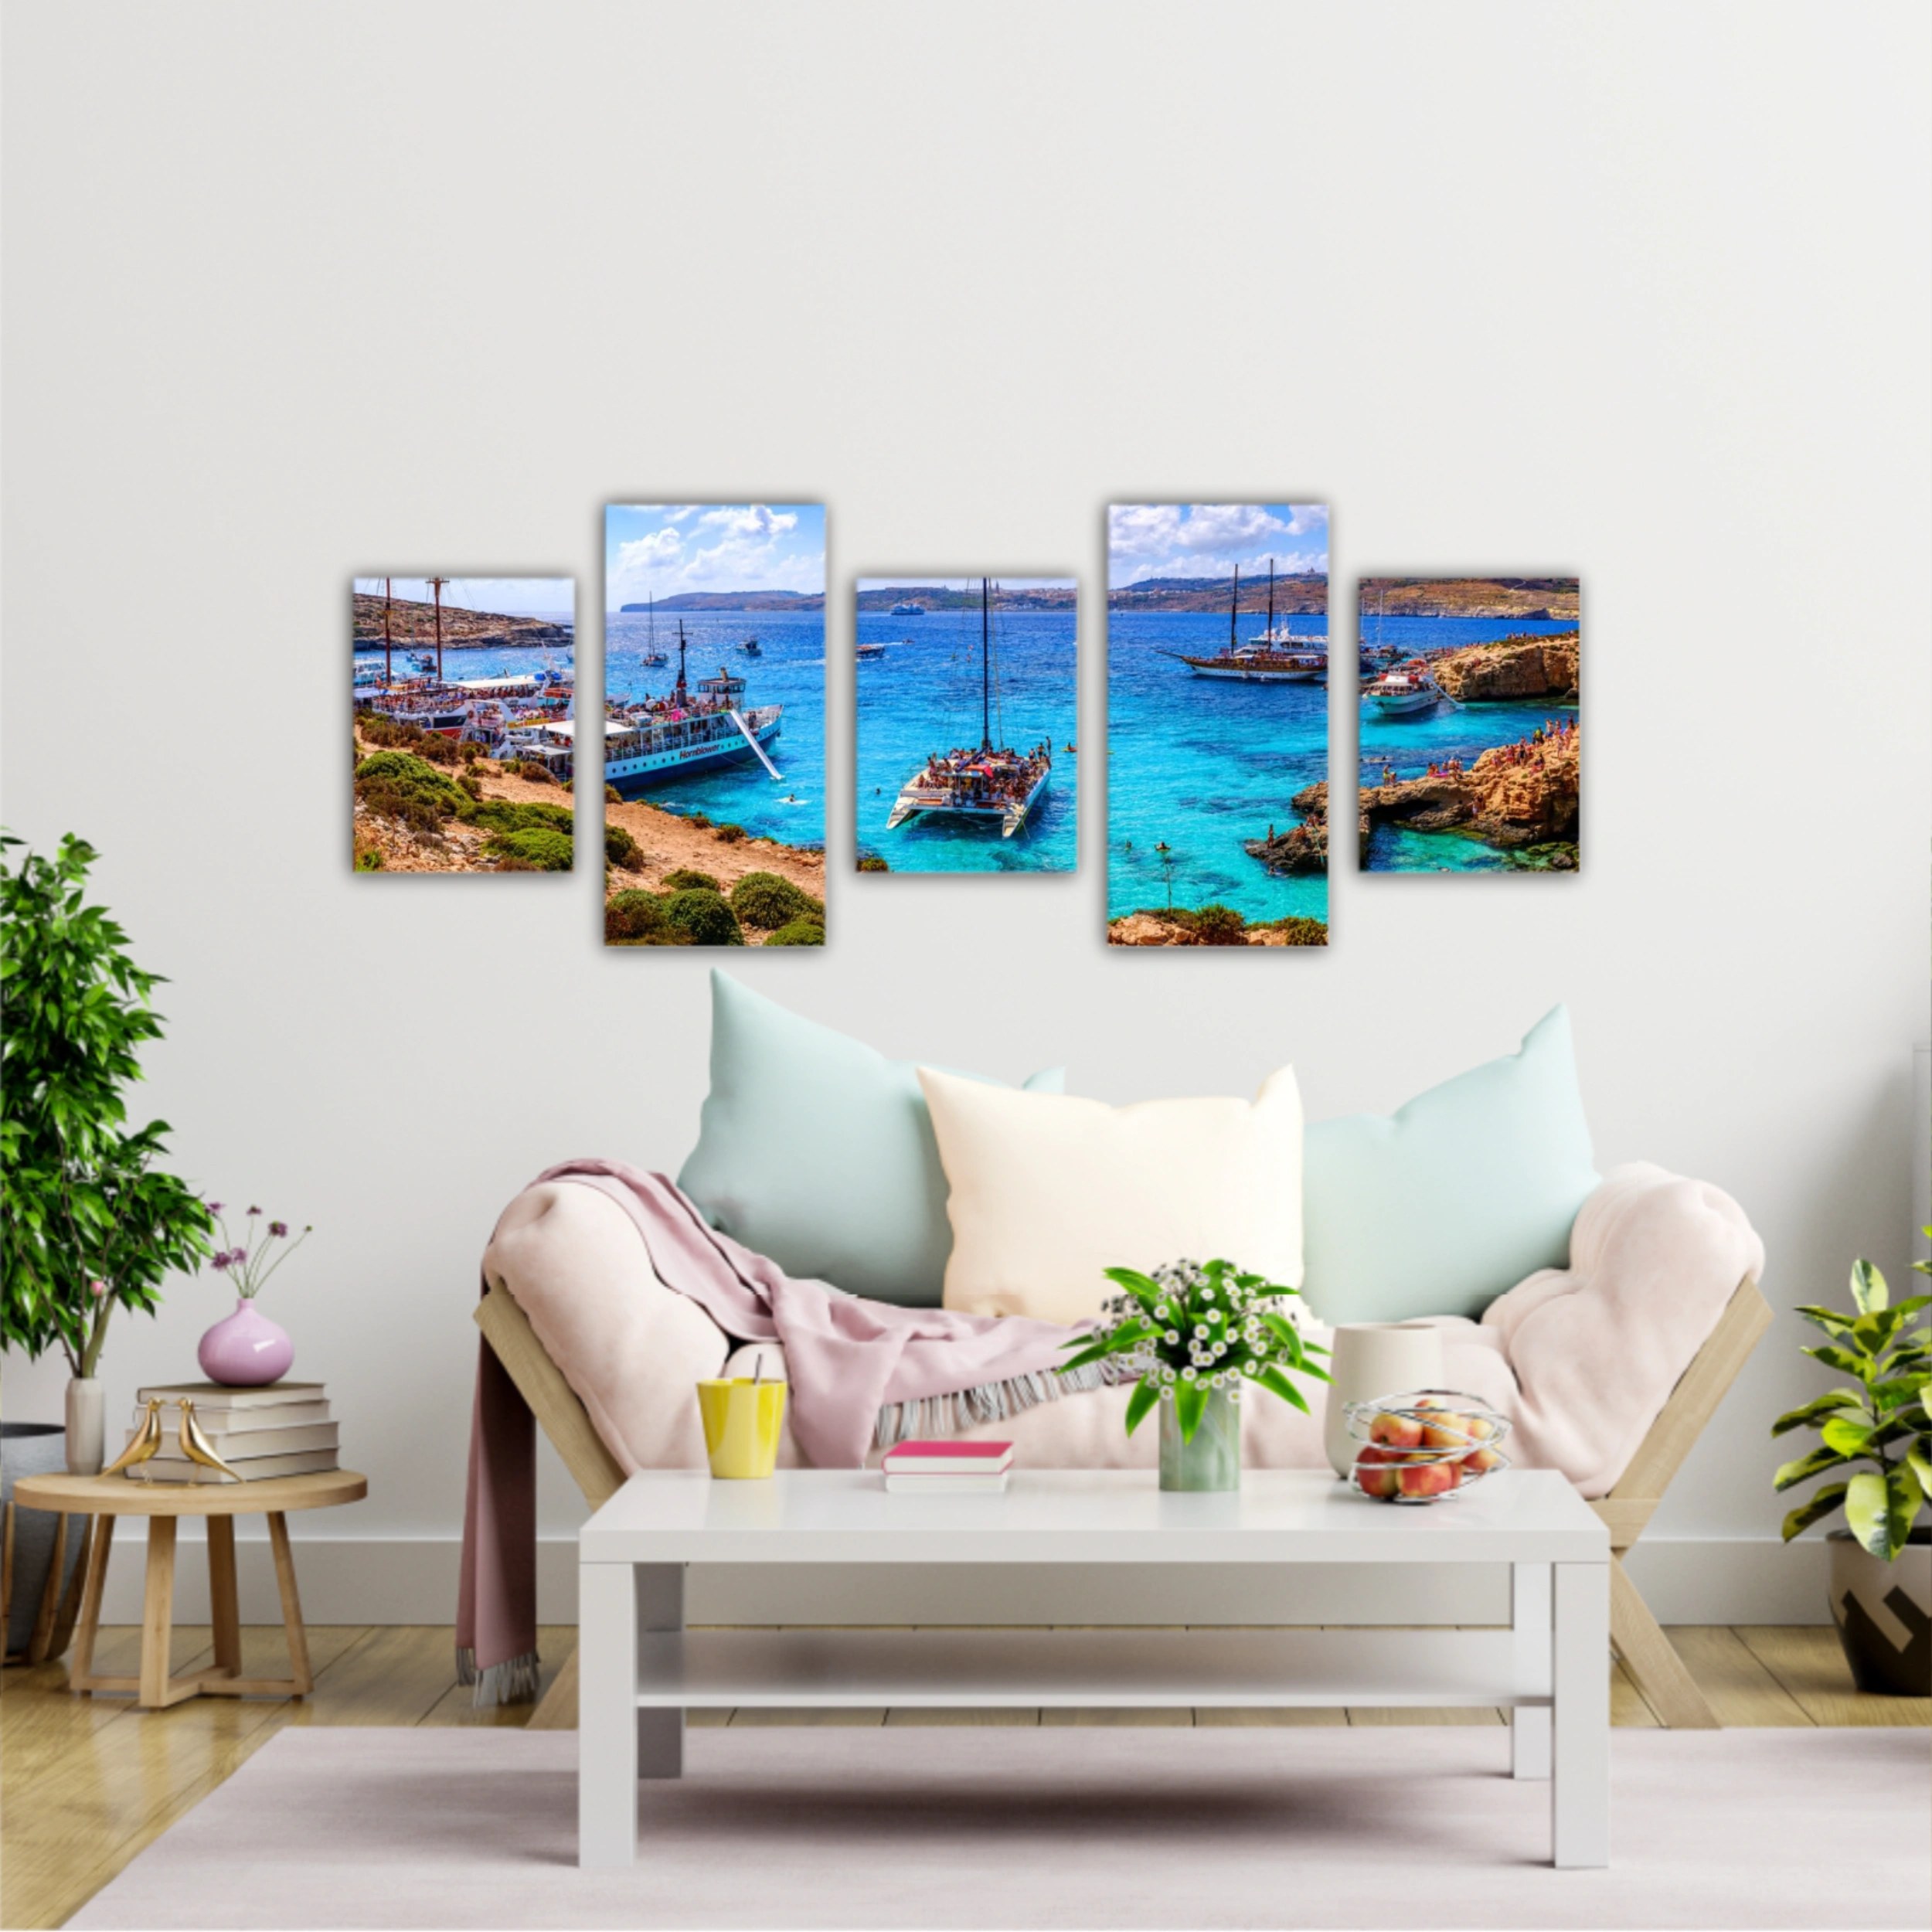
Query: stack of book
282, 1429
946, 1469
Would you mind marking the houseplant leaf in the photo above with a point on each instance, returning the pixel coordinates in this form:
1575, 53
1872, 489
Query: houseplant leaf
1868, 1505
1818, 1504
1147, 1392
1848, 1437
1190, 1404
1272, 1379
1815, 1410
1830, 1320
1868, 1291
1920, 1462
1805, 1467
1842, 1360
1902, 1497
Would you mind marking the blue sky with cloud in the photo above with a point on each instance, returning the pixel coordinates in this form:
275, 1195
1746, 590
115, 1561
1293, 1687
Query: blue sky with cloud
501, 597
660, 549
1148, 540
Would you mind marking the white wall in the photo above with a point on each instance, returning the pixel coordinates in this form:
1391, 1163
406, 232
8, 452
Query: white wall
1641, 292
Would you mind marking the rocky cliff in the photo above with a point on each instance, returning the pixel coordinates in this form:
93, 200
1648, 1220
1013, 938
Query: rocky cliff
1511, 798
1513, 668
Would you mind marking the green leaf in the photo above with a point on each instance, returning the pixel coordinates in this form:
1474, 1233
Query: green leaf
1147, 1392
1847, 1438
1869, 1290
1099, 1353
1272, 1379
1920, 1463
1903, 1497
1830, 1320
1868, 1512
1143, 1290
1190, 1404
1819, 1504
1815, 1410
1842, 1360
1805, 1469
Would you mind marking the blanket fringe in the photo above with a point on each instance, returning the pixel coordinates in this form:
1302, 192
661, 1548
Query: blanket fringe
515, 1681
950, 1415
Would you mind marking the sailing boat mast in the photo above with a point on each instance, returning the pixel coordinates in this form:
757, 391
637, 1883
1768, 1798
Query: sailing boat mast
1270, 599
681, 693
985, 668
1234, 605
388, 676
436, 586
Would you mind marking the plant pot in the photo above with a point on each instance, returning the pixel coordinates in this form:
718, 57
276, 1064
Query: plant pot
245, 1350
1212, 1460
1883, 1612
86, 1431
33, 1449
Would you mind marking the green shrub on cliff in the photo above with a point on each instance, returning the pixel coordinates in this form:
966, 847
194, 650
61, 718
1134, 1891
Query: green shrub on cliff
799, 932
1297, 931
621, 850
705, 916
871, 862
764, 900
632, 915
684, 879
398, 785
728, 835
509, 815
538, 847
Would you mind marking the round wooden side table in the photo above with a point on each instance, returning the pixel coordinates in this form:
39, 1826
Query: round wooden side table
163, 1503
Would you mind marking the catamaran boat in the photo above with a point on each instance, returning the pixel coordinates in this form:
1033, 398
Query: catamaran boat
1408, 687
1259, 661
691, 730
992, 784
909, 610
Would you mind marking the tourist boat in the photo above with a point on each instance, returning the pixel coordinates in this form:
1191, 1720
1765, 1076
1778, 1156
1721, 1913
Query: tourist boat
869, 650
1257, 662
909, 610
993, 783
662, 738
1408, 687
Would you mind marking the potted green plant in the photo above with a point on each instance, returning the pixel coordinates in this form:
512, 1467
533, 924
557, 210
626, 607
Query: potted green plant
1879, 1430
92, 1224
1195, 1336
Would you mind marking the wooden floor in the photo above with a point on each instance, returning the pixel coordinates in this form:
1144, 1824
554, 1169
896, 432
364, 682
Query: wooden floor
85, 1783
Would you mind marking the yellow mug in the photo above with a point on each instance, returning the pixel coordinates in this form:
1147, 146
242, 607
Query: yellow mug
742, 1421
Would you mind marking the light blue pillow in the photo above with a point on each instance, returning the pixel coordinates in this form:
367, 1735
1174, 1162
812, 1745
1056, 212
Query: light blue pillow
817, 1150
1439, 1207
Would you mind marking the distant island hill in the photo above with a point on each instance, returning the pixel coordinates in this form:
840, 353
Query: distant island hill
1529, 598
965, 596
411, 623
1305, 593
731, 600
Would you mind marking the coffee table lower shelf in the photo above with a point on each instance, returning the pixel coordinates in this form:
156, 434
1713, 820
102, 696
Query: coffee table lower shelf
830, 1669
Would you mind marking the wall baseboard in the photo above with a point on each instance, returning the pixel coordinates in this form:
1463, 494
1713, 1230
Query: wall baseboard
396, 1580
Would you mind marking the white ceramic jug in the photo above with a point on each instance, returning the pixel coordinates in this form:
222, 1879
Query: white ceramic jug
1374, 1358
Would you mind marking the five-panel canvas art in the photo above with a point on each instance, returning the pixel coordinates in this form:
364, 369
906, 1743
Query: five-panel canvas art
1222, 673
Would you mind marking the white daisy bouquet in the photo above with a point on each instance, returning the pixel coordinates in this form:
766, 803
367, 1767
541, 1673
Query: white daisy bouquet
1193, 1327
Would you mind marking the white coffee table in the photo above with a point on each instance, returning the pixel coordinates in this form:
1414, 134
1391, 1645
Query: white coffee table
640, 1670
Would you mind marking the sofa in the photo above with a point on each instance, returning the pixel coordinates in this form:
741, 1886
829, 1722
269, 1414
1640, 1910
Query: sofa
1608, 1365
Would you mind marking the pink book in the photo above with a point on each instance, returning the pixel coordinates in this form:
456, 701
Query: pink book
947, 1458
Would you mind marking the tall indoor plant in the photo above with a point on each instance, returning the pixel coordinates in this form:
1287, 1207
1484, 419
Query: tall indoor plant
1878, 1430
91, 1224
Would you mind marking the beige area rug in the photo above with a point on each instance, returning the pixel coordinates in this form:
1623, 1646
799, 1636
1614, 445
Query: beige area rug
1065, 1827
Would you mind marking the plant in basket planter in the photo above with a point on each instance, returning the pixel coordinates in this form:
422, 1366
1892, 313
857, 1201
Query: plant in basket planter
1195, 1336
1880, 1430
90, 1225
245, 1350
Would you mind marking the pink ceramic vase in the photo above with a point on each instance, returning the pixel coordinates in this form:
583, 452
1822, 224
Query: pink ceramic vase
245, 1350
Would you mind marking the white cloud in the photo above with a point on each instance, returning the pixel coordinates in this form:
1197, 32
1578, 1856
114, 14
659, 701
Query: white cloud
1208, 539
749, 520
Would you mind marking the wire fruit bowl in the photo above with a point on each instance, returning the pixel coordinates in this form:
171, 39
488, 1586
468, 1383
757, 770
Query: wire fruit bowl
1425, 1446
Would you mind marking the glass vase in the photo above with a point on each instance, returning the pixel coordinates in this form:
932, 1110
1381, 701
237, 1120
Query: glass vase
1212, 1460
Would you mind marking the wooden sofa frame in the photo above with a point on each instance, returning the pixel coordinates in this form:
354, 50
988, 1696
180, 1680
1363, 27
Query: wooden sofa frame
1647, 1654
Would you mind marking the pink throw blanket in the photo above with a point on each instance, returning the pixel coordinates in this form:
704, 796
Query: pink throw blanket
847, 1359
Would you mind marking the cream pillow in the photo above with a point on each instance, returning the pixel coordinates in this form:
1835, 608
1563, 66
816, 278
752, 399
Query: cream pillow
1047, 1191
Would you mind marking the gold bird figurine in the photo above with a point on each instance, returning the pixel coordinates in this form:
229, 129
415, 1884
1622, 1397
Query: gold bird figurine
145, 1445
196, 1446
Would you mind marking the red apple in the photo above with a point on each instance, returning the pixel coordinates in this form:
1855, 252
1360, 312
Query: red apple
1423, 1479
1398, 1432
1375, 1473
1479, 1460
1447, 1431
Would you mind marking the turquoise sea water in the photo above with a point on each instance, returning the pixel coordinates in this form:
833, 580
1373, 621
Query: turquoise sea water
1412, 743
924, 696
1204, 764
791, 672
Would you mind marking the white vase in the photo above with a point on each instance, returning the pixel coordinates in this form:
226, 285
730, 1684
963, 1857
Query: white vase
1372, 1358
87, 1426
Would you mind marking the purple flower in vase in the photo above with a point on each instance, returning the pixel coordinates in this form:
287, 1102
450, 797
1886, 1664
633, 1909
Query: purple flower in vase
214, 1207
278, 1228
220, 1263
253, 1211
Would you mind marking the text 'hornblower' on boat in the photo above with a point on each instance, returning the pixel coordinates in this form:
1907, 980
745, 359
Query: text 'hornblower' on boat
993, 782
1276, 657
